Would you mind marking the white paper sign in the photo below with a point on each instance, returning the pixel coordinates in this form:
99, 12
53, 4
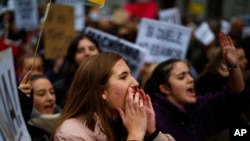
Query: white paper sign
133, 54
171, 15
225, 26
12, 126
79, 13
204, 34
246, 29
246, 32
163, 40
26, 14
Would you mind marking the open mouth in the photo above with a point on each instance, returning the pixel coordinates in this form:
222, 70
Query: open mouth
191, 91
49, 108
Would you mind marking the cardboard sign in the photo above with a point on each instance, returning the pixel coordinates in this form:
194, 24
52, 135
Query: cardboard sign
26, 14
204, 34
78, 12
58, 30
133, 54
163, 40
171, 15
12, 125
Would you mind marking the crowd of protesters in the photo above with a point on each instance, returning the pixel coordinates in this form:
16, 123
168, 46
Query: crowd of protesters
89, 94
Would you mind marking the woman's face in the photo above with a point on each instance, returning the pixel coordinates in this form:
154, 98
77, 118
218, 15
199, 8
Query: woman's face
118, 84
181, 82
85, 49
37, 68
44, 96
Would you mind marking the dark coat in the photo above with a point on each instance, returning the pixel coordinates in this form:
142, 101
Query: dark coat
210, 114
61, 88
26, 104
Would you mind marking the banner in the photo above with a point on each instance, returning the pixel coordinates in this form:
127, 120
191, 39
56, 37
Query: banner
163, 40
58, 30
133, 54
12, 125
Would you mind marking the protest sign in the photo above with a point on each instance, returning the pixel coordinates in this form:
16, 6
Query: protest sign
12, 125
225, 26
246, 29
78, 12
163, 40
133, 54
58, 30
204, 34
26, 14
171, 15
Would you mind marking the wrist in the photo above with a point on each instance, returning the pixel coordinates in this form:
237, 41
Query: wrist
153, 135
135, 136
150, 131
236, 65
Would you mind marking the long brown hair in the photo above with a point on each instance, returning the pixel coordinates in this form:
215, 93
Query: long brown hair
84, 97
70, 62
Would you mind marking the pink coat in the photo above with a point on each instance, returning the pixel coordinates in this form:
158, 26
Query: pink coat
75, 129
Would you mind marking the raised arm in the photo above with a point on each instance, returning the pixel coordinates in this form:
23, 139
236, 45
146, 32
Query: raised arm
25, 97
231, 58
24, 85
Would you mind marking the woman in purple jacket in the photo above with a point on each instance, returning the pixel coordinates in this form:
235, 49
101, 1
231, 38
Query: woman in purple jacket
185, 116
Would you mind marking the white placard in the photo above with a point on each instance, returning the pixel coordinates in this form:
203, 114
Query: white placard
3, 9
246, 29
133, 54
246, 32
204, 34
26, 14
163, 40
78, 13
12, 125
171, 15
225, 26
